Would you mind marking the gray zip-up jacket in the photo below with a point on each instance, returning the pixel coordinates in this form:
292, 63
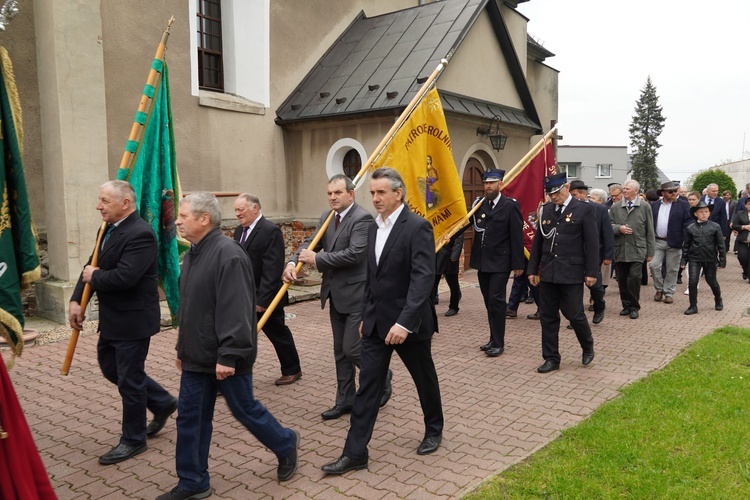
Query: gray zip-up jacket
217, 307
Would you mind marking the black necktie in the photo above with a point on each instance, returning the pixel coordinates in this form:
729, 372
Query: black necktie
338, 220
630, 205
710, 201
558, 210
109, 232
245, 232
492, 205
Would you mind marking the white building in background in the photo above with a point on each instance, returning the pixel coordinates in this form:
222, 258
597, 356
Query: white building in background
597, 166
739, 171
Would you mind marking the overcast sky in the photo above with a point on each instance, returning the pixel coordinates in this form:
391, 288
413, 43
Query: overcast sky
698, 57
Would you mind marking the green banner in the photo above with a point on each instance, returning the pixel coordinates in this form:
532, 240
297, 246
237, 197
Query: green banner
153, 175
19, 261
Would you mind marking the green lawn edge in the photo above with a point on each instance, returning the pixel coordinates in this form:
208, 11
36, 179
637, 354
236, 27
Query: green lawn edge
681, 432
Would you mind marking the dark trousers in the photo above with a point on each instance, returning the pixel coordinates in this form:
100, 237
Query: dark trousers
709, 272
743, 255
727, 238
629, 280
346, 352
376, 357
555, 298
455, 288
281, 337
516, 290
195, 414
597, 294
493, 290
123, 363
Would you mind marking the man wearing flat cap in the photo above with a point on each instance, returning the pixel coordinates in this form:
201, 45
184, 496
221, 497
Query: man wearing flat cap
671, 218
496, 251
564, 256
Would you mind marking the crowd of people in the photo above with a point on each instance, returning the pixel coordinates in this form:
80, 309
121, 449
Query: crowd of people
379, 279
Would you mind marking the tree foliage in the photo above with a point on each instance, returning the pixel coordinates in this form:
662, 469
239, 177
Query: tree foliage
646, 126
700, 180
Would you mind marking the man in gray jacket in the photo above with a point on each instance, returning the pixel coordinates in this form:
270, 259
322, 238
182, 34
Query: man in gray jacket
216, 348
341, 256
633, 225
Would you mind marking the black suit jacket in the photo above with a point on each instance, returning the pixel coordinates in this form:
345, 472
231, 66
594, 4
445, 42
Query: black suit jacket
265, 247
398, 288
679, 220
126, 282
719, 214
604, 228
498, 237
573, 252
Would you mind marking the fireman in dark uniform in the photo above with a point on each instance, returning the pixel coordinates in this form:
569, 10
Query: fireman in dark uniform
564, 256
496, 251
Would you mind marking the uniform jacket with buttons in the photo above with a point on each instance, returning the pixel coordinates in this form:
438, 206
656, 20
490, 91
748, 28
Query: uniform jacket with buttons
498, 237
571, 252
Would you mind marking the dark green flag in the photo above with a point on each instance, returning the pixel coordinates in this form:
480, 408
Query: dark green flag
153, 174
19, 261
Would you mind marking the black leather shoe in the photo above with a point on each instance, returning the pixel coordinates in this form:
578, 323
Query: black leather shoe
494, 352
336, 412
598, 318
625, 312
178, 493
529, 300
533, 316
122, 452
344, 464
548, 366
569, 327
288, 466
587, 358
388, 389
510, 313
451, 312
160, 420
691, 310
485, 346
633, 314
591, 307
429, 445
719, 305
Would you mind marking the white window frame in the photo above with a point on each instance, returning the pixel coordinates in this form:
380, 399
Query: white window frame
246, 52
599, 171
567, 165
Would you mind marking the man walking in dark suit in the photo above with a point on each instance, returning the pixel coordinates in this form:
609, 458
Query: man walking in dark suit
264, 244
579, 190
671, 218
730, 206
564, 255
718, 208
342, 258
398, 315
496, 251
125, 283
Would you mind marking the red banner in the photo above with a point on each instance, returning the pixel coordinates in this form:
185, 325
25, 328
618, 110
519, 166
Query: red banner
527, 187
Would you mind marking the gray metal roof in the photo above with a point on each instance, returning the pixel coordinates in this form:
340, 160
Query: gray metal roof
475, 107
379, 63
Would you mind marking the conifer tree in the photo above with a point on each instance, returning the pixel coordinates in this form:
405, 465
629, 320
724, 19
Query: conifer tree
645, 128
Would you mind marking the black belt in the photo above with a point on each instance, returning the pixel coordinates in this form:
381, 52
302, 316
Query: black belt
661, 238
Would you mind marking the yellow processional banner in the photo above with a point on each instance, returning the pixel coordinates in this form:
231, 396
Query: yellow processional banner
421, 152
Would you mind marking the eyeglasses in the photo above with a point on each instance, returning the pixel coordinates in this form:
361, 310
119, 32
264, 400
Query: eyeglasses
669, 191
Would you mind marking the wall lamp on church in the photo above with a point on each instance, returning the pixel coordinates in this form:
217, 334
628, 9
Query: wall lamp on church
495, 133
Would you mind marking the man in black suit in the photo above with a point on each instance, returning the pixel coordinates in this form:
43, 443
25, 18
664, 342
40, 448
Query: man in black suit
496, 251
564, 255
730, 206
342, 258
671, 219
398, 315
264, 244
125, 283
579, 190
718, 208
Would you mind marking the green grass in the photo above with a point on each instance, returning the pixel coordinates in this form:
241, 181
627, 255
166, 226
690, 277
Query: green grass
682, 432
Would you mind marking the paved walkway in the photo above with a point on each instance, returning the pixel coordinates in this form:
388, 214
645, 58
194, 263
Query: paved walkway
498, 411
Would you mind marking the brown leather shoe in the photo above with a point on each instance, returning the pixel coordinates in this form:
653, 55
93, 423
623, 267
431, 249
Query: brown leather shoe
288, 379
658, 296
668, 300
